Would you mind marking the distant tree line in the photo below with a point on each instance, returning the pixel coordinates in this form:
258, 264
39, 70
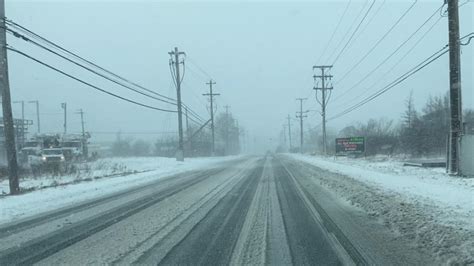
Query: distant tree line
227, 141
418, 132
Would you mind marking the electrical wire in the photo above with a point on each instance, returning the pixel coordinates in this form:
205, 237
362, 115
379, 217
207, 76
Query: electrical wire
86, 83
394, 66
335, 30
394, 83
35, 35
466, 2
370, 21
193, 114
353, 33
389, 56
32, 34
198, 67
174, 78
377, 43
18, 35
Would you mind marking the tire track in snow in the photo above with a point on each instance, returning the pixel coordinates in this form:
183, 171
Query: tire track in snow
262, 239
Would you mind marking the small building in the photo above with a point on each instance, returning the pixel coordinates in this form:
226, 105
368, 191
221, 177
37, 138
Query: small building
21, 131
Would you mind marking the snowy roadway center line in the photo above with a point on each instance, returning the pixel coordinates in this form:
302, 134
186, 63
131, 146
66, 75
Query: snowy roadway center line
44, 200
456, 193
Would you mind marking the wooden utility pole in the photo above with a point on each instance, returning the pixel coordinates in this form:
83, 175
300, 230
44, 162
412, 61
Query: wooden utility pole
84, 140
37, 115
301, 116
324, 98
64, 106
176, 62
211, 99
454, 87
8, 126
289, 131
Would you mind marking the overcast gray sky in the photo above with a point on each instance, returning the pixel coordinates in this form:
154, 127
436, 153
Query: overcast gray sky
260, 54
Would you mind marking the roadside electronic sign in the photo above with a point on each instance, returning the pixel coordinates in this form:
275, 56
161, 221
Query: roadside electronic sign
351, 145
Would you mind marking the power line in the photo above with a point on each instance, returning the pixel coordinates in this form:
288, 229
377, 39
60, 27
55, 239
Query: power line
35, 35
188, 85
190, 115
354, 32
389, 56
335, 30
397, 81
394, 66
88, 84
51, 44
199, 68
18, 35
377, 43
370, 21
348, 30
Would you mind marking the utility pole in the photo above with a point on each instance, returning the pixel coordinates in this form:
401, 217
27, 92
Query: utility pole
454, 87
289, 132
84, 140
176, 62
211, 99
301, 116
64, 107
22, 127
324, 98
8, 127
37, 115
227, 129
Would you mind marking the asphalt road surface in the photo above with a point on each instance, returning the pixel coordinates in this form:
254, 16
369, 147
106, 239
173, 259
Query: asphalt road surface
254, 210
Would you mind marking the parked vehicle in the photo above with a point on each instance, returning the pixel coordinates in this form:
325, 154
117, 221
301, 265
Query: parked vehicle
75, 146
53, 156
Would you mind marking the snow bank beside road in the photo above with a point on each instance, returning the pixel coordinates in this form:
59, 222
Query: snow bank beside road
433, 211
102, 168
431, 184
43, 200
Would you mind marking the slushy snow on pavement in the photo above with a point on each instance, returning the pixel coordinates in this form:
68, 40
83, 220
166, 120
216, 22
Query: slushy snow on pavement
106, 176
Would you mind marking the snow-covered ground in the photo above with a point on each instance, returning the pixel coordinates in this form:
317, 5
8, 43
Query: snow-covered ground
426, 205
105, 176
432, 184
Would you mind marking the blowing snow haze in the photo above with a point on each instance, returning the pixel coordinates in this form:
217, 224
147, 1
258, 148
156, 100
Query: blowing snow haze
237, 132
259, 53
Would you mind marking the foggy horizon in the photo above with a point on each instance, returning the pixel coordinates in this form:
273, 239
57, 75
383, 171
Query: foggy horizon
260, 54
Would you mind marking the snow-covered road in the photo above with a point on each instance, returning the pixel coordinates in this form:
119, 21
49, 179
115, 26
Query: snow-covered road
106, 176
240, 211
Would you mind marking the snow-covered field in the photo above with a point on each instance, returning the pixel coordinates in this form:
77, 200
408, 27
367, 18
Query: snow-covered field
426, 205
99, 178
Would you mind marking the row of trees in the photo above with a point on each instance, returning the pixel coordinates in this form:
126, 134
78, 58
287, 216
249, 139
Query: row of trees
418, 132
227, 141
